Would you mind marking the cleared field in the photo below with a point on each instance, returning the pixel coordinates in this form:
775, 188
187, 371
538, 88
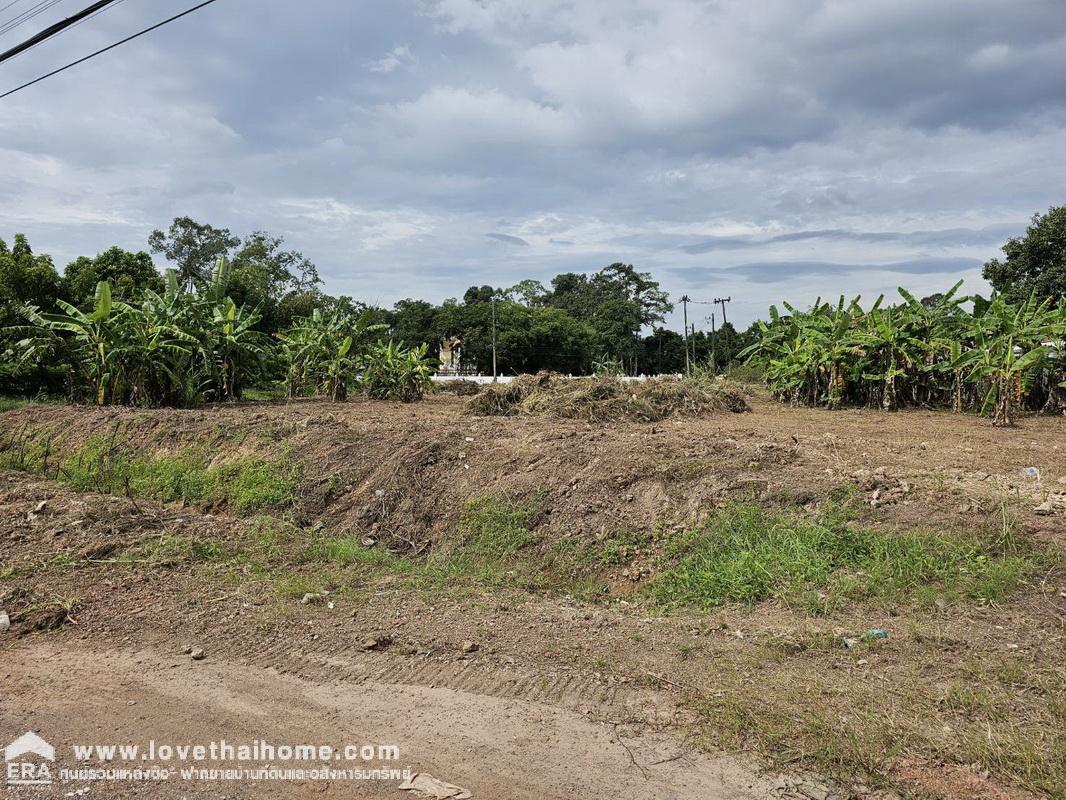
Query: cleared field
853, 601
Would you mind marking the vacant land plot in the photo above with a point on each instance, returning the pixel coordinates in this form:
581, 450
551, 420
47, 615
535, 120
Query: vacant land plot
784, 603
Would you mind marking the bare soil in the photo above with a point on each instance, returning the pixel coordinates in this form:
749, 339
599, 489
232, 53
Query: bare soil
558, 697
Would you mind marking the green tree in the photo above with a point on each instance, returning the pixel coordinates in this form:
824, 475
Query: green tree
193, 247
413, 322
479, 294
127, 273
26, 280
263, 274
528, 292
664, 352
1034, 264
617, 302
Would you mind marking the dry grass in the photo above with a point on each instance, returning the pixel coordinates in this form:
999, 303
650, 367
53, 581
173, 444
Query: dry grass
932, 696
605, 398
460, 387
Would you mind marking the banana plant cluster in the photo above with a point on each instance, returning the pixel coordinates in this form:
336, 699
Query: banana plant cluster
336, 352
993, 357
177, 348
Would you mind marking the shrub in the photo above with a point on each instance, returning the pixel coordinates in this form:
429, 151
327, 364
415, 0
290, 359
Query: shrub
393, 372
606, 398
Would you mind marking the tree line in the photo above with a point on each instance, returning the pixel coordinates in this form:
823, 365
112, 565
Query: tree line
576, 324
608, 320
994, 357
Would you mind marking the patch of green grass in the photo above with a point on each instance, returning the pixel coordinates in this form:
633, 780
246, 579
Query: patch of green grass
251, 484
295, 585
496, 528
270, 536
495, 546
747, 554
170, 550
346, 552
11, 403
264, 394
101, 465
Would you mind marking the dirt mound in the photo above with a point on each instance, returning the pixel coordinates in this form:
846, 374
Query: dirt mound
605, 399
460, 387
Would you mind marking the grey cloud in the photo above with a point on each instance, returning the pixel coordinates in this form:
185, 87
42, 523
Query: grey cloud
776, 271
508, 239
909, 136
949, 237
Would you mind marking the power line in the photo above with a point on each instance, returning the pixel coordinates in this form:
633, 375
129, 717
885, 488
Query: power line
27, 15
82, 21
98, 13
54, 29
5, 8
105, 49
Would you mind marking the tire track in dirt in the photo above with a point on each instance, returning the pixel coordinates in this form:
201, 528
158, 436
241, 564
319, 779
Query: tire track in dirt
497, 748
604, 698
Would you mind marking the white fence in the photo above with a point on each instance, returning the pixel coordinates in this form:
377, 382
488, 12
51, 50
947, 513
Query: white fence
508, 378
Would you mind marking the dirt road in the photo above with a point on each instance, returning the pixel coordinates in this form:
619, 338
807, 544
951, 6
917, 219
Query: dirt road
495, 748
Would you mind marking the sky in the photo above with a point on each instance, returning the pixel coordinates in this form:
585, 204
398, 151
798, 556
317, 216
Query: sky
756, 149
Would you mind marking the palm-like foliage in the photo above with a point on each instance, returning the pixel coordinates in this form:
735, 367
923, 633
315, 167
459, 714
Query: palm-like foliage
324, 352
393, 372
1011, 351
931, 353
176, 348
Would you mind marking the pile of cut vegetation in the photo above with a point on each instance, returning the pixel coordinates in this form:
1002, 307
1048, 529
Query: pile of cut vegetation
461, 387
606, 398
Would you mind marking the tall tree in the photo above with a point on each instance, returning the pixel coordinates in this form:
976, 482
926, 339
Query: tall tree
1034, 263
528, 292
25, 279
128, 273
617, 302
263, 274
193, 247
413, 323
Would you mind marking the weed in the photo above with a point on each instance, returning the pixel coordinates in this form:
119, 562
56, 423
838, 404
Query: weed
102, 465
497, 528
747, 554
346, 552
294, 585
169, 550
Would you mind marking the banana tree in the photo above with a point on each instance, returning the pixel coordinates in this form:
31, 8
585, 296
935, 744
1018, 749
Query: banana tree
392, 372
891, 351
1008, 351
234, 348
95, 338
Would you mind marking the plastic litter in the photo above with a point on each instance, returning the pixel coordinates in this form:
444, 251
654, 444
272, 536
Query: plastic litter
428, 786
875, 633
1031, 472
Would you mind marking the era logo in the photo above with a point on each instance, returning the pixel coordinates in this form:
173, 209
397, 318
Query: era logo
22, 771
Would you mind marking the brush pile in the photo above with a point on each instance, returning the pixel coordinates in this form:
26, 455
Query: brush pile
460, 387
606, 398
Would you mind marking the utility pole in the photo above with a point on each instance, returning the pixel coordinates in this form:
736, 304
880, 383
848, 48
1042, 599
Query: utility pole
494, 337
714, 366
723, 301
684, 303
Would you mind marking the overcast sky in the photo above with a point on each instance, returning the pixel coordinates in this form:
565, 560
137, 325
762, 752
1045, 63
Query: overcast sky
763, 149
